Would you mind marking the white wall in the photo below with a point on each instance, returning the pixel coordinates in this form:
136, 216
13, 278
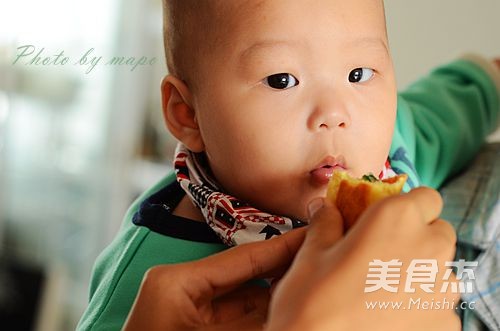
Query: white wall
426, 33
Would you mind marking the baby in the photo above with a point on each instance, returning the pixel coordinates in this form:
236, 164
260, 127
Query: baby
267, 99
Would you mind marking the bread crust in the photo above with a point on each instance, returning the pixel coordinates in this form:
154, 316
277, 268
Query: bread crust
352, 196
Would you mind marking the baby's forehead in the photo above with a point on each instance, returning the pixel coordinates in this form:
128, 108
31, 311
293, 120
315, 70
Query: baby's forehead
223, 28
243, 18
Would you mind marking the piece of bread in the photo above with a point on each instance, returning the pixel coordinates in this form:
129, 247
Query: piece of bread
352, 196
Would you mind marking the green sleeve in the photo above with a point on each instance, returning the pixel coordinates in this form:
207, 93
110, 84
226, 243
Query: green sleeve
445, 117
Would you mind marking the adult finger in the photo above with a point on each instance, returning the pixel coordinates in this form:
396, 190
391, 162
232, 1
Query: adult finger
445, 231
254, 321
242, 263
428, 201
325, 225
239, 303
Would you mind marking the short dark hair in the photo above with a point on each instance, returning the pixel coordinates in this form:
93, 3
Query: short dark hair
186, 27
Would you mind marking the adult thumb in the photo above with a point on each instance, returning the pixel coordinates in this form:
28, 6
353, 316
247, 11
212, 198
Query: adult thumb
325, 224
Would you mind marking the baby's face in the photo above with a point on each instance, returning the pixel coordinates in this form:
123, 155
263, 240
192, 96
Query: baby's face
293, 91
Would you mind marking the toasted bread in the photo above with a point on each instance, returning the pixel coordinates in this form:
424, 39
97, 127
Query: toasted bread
352, 196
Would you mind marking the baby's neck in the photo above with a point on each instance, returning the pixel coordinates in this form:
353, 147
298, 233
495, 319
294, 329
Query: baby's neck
187, 209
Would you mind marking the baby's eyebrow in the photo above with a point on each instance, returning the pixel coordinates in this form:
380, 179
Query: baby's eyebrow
371, 42
361, 42
260, 45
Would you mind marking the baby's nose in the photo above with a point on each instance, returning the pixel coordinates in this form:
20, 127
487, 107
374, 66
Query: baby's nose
329, 118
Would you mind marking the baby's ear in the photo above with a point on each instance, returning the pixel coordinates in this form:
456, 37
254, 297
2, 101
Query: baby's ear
179, 116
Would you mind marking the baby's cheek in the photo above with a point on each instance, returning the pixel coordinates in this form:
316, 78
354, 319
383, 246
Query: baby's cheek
370, 159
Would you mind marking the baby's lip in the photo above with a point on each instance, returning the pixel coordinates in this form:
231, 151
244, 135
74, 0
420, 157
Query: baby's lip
331, 162
322, 172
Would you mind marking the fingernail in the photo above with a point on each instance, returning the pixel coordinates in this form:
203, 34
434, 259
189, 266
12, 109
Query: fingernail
314, 206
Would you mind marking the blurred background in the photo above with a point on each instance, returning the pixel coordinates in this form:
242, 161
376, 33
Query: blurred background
79, 142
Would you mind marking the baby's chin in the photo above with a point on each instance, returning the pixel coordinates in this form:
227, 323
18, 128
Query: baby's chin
296, 211
287, 199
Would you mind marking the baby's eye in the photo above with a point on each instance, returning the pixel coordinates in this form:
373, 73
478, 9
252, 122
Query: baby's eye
360, 75
281, 81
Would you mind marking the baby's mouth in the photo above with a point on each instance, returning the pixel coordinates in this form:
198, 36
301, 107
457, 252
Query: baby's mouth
322, 173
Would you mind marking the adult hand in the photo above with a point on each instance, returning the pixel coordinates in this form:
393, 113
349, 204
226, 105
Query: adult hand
208, 294
324, 289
